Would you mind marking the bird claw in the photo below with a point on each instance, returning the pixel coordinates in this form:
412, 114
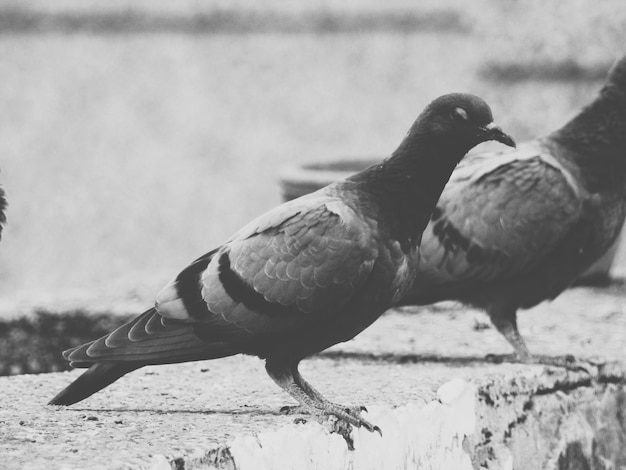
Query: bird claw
348, 415
351, 415
355, 410
304, 410
567, 361
341, 423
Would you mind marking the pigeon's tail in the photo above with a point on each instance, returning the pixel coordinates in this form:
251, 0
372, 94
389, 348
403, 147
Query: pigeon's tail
98, 376
147, 340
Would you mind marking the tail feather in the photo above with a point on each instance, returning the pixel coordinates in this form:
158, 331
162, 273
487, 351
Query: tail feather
97, 377
146, 340
163, 344
173, 356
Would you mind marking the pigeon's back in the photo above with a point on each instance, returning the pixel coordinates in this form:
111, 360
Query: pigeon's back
528, 223
497, 219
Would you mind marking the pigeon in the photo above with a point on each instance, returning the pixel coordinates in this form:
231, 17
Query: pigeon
511, 232
310, 273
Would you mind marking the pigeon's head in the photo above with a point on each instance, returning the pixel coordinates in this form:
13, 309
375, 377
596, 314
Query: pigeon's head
617, 74
461, 118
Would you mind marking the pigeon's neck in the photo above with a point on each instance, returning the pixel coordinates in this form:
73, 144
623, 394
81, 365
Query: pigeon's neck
595, 140
600, 126
407, 185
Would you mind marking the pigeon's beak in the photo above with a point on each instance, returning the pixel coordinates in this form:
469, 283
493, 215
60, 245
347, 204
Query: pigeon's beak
493, 132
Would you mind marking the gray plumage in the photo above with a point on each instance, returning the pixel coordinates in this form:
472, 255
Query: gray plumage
513, 231
306, 275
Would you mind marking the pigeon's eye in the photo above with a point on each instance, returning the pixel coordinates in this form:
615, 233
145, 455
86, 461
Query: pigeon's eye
459, 114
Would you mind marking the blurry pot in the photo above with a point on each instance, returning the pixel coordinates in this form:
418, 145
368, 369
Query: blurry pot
303, 179
299, 180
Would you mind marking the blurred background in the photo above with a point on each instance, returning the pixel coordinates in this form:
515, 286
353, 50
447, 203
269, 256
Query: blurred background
137, 135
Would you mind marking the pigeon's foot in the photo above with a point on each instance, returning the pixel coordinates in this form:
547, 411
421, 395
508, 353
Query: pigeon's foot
568, 361
336, 418
303, 410
324, 409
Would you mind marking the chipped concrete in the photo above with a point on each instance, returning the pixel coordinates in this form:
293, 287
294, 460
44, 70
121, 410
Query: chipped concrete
536, 423
223, 414
422, 376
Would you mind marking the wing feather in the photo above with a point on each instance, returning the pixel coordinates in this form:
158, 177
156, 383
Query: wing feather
300, 260
498, 217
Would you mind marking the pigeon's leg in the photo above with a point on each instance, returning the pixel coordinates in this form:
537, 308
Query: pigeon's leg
313, 393
311, 401
505, 321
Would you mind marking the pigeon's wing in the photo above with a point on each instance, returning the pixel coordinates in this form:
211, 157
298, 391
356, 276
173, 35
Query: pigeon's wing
306, 259
498, 216
303, 259
299, 261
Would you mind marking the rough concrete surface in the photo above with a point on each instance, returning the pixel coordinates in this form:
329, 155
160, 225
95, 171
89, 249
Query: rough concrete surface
224, 413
